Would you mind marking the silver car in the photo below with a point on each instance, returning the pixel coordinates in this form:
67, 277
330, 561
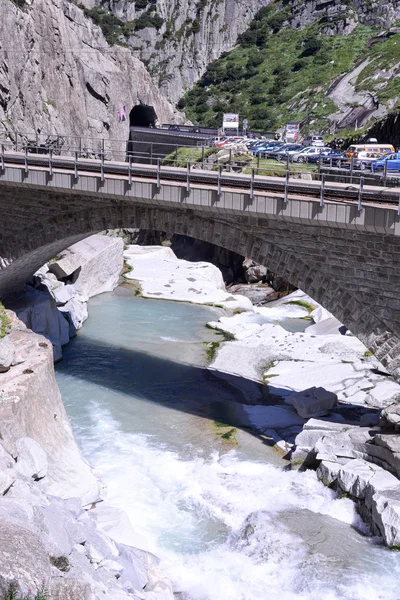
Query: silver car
309, 152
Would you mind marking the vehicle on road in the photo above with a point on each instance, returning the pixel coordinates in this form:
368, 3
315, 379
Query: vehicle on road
174, 128
304, 155
391, 162
317, 140
379, 148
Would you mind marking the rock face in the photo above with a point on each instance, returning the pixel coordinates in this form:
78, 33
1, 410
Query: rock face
31, 407
58, 308
92, 265
70, 80
192, 34
48, 541
6, 354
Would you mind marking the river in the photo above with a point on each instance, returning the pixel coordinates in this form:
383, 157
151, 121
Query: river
145, 413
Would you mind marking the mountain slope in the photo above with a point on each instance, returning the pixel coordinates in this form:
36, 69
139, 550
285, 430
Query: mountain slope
176, 39
326, 63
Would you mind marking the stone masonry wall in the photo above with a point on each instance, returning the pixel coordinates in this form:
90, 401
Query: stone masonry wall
353, 273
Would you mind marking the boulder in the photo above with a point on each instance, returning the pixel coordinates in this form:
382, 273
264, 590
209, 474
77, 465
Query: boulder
6, 354
390, 417
355, 476
314, 402
386, 514
256, 273
92, 265
31, 458
63, 294
390, 442
328, 472
76, 313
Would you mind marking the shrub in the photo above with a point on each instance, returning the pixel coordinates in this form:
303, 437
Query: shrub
4, 322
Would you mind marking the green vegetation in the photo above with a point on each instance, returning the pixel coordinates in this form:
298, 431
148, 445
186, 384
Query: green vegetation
182, 156
278, 72
116, 31
211, 350
20, 3
368, 353
228, 434
309, 307
12, 593
4, 322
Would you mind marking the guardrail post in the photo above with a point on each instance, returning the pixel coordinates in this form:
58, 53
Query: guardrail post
102, 167
252, 186
158, 173
76, 165
351, 169
16, 141
130, 171
322, 196
2, 157
51, 162
26, 160
319, 162
287, 161
286, 187
230, 160
202, 157
176, 155
258, 163
151, 153
360, 192
385, 170
219, 181
188, 178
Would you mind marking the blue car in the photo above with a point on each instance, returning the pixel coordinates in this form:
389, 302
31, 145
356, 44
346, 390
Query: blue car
328, 156
267, 147
392, 161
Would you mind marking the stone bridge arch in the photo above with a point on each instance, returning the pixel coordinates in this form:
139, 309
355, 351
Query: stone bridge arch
295, 251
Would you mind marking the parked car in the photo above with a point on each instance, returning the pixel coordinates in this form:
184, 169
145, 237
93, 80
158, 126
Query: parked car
307, 153
369, 147
174, 128
285, 151
328, 156
195, 130
391, 162
315, 140
361, 160
266, 147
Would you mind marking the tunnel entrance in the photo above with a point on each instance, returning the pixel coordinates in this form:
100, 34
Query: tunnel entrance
142, 115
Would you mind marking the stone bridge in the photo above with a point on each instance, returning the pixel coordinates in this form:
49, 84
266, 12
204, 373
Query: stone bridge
345, 258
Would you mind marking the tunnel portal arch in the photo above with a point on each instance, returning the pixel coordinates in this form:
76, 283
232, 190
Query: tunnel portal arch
142, 115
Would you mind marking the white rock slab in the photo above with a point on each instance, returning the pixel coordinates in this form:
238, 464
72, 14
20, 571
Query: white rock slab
162, 275
6, 354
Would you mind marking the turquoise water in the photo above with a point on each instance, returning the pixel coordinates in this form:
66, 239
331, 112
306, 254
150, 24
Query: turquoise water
142, 406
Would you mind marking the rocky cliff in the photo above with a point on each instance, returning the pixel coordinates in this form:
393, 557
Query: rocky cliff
59, 75
178, 39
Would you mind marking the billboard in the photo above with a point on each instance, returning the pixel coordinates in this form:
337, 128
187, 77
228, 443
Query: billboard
230, 121
292, 131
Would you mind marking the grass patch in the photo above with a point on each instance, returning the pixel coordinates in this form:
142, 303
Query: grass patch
230, 436
5, 322
211, 350
368, 353
182, 156
309, 307
134, 286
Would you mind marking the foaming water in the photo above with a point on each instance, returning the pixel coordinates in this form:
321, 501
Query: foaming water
226, 523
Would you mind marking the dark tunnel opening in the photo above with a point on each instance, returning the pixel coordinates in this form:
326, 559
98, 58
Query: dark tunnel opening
142, 115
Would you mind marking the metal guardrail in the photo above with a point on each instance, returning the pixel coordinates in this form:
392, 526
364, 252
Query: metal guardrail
190, 175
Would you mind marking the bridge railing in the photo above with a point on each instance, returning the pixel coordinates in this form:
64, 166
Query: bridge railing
252, 177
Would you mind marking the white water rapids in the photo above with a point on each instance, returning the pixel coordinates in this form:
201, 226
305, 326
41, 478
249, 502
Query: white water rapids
227, 523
